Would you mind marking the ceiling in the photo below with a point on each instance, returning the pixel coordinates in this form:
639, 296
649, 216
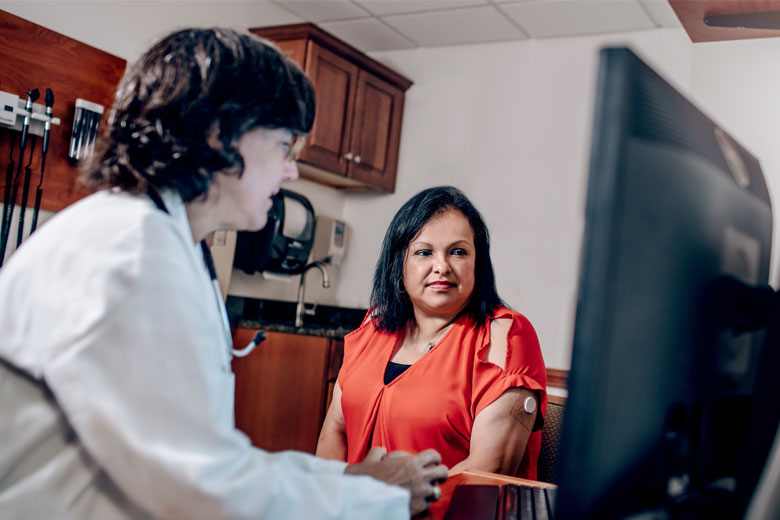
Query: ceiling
127, 27
378, 25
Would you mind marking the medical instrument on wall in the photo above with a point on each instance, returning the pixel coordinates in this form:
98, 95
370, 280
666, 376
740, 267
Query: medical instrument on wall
86, 125
49, 99
23, 203
44, 150
14, 190
29, 118
9, 179
8, 207
14, 111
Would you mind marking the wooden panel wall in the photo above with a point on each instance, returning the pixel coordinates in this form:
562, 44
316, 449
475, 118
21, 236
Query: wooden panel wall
35, 57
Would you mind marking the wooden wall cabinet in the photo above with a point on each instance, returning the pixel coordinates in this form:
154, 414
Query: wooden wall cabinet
357, 130
284, 387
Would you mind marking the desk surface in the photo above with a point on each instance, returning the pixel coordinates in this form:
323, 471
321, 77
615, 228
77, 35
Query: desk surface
439, 508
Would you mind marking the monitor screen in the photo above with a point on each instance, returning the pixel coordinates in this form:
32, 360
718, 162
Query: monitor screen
661, 393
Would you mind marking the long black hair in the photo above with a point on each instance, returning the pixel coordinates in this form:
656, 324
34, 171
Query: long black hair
181, 108
391, 308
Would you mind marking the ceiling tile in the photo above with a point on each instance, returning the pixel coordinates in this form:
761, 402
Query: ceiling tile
661, 12
324, 10
368, 35
573, 17
456, 26
385, 7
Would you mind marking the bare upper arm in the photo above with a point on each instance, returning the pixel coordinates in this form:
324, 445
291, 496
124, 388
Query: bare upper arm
335, 414
499, 330
501, 430
500, 434
332, 442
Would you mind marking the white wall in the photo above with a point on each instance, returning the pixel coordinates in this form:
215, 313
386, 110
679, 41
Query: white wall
509, 124
738, 84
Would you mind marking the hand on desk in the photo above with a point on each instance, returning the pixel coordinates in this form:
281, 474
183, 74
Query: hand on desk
417, 473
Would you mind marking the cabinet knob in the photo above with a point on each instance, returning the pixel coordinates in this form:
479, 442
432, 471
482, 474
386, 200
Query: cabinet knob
357, 159
348, 156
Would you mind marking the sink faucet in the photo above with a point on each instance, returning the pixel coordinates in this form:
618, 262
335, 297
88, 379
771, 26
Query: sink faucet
301, 309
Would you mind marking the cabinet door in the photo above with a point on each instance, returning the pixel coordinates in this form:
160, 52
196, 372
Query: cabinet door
334, 80
376, 131
281, 390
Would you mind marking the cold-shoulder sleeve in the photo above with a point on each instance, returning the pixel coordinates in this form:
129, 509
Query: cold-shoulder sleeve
524, 367
355, 342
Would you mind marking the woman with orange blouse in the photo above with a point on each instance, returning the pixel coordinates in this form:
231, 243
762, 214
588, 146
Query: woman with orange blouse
439, 361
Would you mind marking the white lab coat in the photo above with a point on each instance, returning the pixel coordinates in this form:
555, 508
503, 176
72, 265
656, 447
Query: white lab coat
110, 306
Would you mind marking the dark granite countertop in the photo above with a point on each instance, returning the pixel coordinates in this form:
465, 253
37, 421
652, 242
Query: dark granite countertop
279, 316
289, 328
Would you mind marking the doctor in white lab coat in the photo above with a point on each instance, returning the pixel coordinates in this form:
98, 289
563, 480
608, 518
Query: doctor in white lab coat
116, 393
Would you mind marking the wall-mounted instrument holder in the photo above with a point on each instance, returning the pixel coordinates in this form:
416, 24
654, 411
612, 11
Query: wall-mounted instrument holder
86, 126
28, 123
12, 114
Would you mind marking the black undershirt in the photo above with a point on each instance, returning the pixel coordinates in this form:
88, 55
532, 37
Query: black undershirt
394, 370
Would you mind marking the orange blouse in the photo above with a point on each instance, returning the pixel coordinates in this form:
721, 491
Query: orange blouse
434, 402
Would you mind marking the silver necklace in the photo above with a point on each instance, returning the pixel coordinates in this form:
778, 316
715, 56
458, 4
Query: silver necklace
436, 339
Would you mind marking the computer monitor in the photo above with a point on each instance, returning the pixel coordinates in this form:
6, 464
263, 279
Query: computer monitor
664, 412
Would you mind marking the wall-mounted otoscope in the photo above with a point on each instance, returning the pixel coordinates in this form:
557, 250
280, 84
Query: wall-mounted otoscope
8, 208
9, 179
30, 119
44, 150
8, 202
28, 172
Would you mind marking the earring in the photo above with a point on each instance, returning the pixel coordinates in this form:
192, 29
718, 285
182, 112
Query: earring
401, 288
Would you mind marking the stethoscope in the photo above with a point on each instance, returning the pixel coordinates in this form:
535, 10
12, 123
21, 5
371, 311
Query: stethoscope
209, 261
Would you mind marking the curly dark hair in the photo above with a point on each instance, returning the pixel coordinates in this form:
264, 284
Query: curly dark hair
392, 309
181, 108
